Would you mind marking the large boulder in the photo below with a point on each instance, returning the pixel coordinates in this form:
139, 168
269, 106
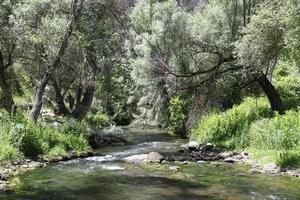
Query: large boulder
136, 158
152, 157
191, 146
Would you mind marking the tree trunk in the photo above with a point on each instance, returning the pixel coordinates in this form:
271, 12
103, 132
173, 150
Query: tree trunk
272, 94
59, 99
38, 99
81, 111
37, 106
8, 101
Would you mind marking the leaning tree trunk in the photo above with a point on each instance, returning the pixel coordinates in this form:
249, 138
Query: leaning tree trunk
8, 101
37, 106
272, 94
82, 109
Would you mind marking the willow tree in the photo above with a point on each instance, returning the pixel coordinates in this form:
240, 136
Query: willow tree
202, 46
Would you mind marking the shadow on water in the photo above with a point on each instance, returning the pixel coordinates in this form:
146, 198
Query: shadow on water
115, 187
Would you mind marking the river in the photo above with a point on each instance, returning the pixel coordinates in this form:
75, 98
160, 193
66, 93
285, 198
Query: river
107, 177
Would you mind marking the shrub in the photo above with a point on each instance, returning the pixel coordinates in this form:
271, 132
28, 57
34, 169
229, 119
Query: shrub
75, 127
289, 159
8, 152
176, 116
123, 118
229, 129
97, 120
278, 133
288, 83
33, 139
58, 150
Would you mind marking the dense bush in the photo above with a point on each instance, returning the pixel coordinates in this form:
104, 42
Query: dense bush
288, 83
228, 129
279, 132
97, 120
123, 118
282, 134
74, 127
176, 116
21, 137
8, 152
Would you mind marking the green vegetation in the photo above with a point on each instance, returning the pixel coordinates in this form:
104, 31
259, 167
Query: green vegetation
97, 120
275, 138
21, 137
176, 117
71, 68
228, 129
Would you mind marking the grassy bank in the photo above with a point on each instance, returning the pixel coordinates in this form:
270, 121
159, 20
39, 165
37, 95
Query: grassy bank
251, 126
21, 138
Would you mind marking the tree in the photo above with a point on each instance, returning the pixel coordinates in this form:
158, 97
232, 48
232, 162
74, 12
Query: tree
7, 48
76, 11
202, 48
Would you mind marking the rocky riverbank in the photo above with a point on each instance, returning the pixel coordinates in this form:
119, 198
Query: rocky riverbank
9, 171
208, 152
194, 152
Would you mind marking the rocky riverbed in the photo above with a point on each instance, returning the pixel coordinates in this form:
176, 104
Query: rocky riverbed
10, 171
209, 152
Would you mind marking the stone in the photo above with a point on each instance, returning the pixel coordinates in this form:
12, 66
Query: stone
191, 146
174, 169
229, 160
226, 154
3, 177
185, 162
208, 147
271, 168
4, 186
136, 158
202, 162
154, 157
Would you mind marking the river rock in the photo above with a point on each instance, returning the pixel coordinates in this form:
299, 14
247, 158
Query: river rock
3, 177
230, 160
174, 169
191, 146
226, 154
271, 168
207, 147
4, 186
136, 158
154, 157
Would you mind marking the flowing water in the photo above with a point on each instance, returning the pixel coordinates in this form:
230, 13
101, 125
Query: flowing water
107, 177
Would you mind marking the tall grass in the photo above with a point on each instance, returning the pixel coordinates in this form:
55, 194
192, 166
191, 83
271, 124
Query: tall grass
228, 129
280, 133
23, 138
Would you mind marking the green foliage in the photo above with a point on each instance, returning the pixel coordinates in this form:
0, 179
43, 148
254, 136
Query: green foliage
227, 129
251, 126
22, 137
97, 120
277, 133
8, 152
57, 151
123, 118
176, 116
75, 127
288, 84
289, 159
